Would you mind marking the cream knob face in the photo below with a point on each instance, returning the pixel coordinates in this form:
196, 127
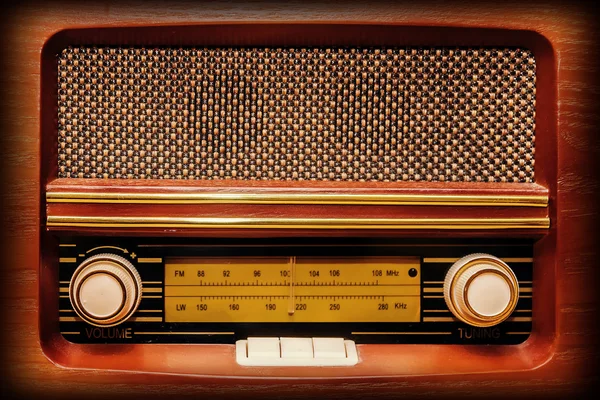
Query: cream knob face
481, 290
105, 290
101, 295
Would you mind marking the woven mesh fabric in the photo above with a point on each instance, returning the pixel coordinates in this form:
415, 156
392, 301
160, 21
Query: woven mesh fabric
336, 114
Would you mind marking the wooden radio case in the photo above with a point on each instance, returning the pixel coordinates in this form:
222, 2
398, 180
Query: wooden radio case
163, 194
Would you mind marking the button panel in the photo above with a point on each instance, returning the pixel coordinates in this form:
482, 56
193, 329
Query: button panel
289, 351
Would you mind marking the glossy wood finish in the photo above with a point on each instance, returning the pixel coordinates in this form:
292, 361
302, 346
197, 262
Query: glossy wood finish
562, 351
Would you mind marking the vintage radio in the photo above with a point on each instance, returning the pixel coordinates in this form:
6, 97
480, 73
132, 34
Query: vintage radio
299, 200
292, 202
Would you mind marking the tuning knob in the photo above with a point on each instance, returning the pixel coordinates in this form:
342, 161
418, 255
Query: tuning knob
105, 290
481, 290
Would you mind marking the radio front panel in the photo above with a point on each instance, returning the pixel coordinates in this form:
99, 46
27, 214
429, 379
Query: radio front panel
232, 191
222, 291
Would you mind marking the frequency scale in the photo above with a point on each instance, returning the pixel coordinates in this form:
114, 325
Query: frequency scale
127, 290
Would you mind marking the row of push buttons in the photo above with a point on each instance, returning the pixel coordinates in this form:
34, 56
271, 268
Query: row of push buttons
288, 351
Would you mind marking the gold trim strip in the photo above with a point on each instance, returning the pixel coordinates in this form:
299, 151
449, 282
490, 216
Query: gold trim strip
70, 333
299, 198
184, 333
66, 245
151, 290
433, 297
69, 319
298, 223
146, 319
67, 260
140, 311
108, 247
452, 319
338, 245
64, 282
151, 297
433, 290
446, 311
149, 260
401, 333
152, 282
449, 260
520, 319
134, 319
439, 319
63, 290
525, 290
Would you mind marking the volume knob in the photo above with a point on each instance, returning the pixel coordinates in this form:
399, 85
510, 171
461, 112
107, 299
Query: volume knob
105, 290
481, 290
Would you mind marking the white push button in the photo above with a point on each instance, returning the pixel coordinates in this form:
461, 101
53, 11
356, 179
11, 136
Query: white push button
329, 347
264, 347
296, 348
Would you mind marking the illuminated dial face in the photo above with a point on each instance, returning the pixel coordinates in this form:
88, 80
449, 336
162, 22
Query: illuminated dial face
293, 289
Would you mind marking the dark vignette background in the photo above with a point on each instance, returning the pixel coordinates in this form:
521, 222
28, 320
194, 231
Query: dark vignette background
20, 226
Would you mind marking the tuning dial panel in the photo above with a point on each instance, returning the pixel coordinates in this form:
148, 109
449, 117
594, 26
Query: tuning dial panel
105, 290
223, 291
481, 290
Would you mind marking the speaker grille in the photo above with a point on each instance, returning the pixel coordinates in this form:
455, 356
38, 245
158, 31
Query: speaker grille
343, 114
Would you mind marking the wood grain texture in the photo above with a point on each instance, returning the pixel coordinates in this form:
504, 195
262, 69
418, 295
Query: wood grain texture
573, 35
